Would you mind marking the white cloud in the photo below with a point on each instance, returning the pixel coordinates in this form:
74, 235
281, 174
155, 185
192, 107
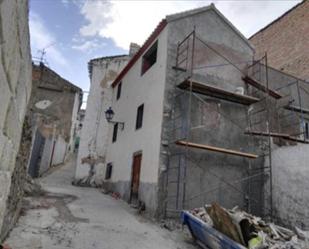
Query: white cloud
87, 46
41, 38
127, 21
133, 21
251, 16
98, 14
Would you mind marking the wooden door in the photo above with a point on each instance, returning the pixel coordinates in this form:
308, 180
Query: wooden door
136, 169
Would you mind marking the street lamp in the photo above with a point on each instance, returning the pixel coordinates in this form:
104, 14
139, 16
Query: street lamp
109, 114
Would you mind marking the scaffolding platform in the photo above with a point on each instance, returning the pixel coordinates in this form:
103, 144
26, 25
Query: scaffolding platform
261, 87
216, 149
278, 135
296, 109
214, 91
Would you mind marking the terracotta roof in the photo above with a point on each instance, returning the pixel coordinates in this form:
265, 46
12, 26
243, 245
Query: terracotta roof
277, 19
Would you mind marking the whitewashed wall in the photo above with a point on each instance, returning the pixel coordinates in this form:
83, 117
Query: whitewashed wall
92, 141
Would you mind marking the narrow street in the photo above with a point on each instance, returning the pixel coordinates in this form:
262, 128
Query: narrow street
83, 218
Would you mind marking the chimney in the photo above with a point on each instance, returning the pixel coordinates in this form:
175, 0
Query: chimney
133, 49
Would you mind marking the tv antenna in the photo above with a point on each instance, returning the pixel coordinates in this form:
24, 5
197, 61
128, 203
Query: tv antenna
43, 52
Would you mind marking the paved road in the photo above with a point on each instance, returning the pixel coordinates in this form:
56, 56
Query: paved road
84, 218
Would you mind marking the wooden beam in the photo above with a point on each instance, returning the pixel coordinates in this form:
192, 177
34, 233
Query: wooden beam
278, 135
217, 92
216, 149
261, 87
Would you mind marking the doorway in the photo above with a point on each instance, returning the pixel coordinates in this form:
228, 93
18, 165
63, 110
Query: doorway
136, 170
36, 155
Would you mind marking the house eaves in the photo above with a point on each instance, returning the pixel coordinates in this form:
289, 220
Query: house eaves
94, 60
140, 52
65, 82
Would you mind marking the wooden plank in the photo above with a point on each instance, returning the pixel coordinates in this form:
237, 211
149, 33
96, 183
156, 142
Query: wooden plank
216, 149
214, 91
261, 87
296, 109
278, 135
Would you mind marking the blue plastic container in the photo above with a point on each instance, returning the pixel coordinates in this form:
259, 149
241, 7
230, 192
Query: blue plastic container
206, 236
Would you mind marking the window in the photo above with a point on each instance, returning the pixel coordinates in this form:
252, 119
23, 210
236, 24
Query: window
150, 58
119, 90
115, 131
108, 172
139, 117
306, 130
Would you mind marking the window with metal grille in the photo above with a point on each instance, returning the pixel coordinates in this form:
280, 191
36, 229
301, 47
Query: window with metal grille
108, 172
139, 117
115, 132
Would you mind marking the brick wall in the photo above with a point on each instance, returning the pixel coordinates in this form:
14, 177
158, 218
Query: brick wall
286, 42
15, 89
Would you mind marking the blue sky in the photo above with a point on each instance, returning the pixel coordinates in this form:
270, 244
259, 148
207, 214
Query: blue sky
75, 31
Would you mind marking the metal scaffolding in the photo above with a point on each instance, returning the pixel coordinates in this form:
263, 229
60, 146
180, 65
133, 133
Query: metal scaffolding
273, 111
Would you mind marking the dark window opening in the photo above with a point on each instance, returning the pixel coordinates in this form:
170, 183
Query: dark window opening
119, 91
306, 131
139, 117
108, 172
150, 58
115, 131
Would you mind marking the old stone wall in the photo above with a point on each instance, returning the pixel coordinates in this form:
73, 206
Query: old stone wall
54, 98
286, 42
15, 89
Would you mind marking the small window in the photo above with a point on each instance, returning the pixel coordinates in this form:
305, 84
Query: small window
108, 172
306, 131
150, 58
139, 117
115, 131
119, 90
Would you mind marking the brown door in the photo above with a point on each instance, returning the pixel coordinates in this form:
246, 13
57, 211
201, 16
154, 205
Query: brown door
136, 169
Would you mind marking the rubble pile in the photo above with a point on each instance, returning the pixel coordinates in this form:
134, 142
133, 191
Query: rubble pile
249, 230
32, 187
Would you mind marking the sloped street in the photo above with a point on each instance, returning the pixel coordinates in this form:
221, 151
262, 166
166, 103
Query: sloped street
75, 217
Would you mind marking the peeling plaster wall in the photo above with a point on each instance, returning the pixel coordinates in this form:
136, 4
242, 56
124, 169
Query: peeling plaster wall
94, 133
53, 109
15, 89
291, 185
60, 97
